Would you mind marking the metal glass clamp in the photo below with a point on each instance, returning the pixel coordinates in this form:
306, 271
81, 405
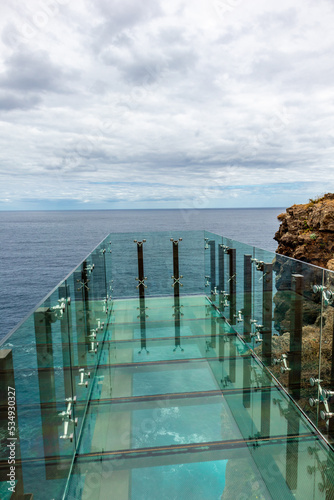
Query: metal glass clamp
90, 269
327, 294
225, 299
59, 309
324, 396
225, 248
258, 264
141, 282
84, 284
83, 374
282, 360
177, 280
100, 325
231, 278
92, 335
139, 243
93, 348
66, 418
256, 334
314, 381
239, 317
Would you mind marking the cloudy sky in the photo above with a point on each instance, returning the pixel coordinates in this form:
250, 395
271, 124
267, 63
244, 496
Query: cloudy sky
151, 104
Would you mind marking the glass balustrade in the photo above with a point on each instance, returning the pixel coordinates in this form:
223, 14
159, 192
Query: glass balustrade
172, 365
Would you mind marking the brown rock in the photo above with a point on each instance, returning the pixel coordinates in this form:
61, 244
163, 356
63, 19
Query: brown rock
307, 231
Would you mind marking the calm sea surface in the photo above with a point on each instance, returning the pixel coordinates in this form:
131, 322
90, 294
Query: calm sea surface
38, 249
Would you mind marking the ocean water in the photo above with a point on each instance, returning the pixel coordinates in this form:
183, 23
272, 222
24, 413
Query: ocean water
38, 249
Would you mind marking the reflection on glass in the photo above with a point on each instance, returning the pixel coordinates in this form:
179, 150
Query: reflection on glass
191, 357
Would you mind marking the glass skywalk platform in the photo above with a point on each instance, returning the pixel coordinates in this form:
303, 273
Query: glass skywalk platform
167, 368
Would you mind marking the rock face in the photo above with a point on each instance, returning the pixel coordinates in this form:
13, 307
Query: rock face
307, 232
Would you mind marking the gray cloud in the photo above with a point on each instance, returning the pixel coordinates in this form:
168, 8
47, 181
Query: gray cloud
119, 16
33, 72
187, 102
10, 101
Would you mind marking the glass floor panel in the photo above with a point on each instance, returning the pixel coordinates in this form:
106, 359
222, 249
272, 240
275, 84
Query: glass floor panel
225, 392
296, 468
183, 408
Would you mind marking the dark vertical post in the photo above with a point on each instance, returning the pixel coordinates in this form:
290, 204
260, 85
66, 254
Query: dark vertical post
267, 270
213, 332
176, 273
212, 245
296, 331
105, 288
7, 380
233, 356
233, 309
247, 297
84, 283
66, 339
247, 328
87, 294
232, 281
82, 313
292, 454
46, 379
221, 272
100, 274
141, 270
176, 285
177, 322
267, 313
142, 319
265, 412
328, 477
331, 420
7, 388
221, 339
141, 277
79, 330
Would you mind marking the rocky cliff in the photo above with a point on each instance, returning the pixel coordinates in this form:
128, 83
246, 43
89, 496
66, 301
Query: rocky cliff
307, 232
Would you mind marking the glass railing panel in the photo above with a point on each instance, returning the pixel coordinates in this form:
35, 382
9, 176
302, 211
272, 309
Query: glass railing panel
231, 272
175, 254
91, 309
241, 318
157, 256
213, 266
297, 330
81, 368
154, 367
325, 388
40, 351
37, 479
263, 291
34, 364
124, 264
39, 363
